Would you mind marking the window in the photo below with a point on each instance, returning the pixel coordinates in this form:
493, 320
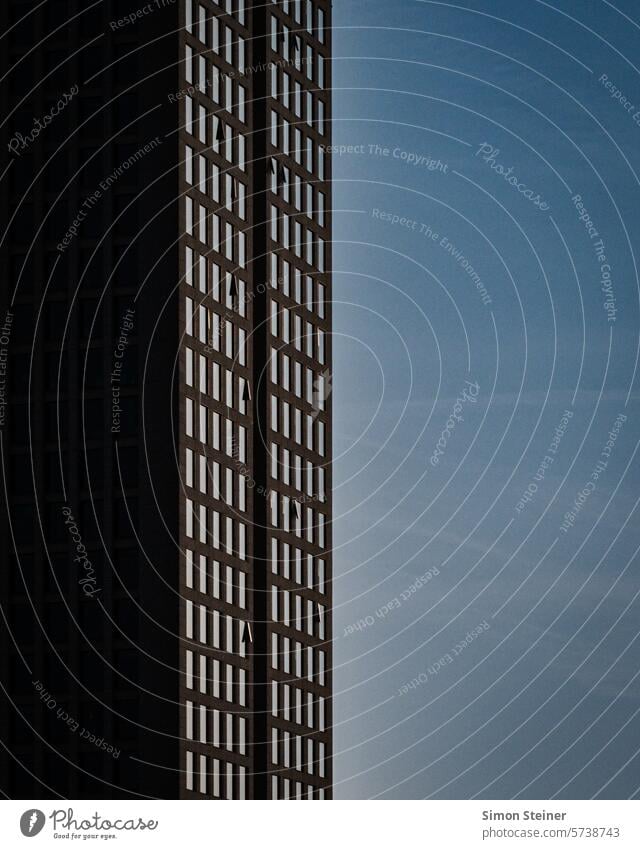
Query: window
189, 524
188, 366
203, 624
241, 55
203, 424
189, 771
189, 619
216, 777
202, 24
189, 417
189, 670
188, 164
188, 115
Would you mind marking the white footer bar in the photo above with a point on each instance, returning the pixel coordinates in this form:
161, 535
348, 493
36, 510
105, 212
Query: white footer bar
372, 825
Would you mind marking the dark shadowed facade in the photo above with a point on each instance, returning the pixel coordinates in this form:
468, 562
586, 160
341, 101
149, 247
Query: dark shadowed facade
165, 380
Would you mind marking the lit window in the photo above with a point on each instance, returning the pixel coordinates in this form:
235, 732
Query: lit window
189, 670
202, 24
189, 771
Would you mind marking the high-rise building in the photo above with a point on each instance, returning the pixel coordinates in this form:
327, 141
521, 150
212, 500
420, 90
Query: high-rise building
166, 366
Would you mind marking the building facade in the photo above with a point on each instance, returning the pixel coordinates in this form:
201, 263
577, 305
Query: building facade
167, 444
255, 372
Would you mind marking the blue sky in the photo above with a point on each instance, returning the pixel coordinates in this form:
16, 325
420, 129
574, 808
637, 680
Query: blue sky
539, 703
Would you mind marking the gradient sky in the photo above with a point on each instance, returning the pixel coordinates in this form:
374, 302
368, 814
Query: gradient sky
541, 700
